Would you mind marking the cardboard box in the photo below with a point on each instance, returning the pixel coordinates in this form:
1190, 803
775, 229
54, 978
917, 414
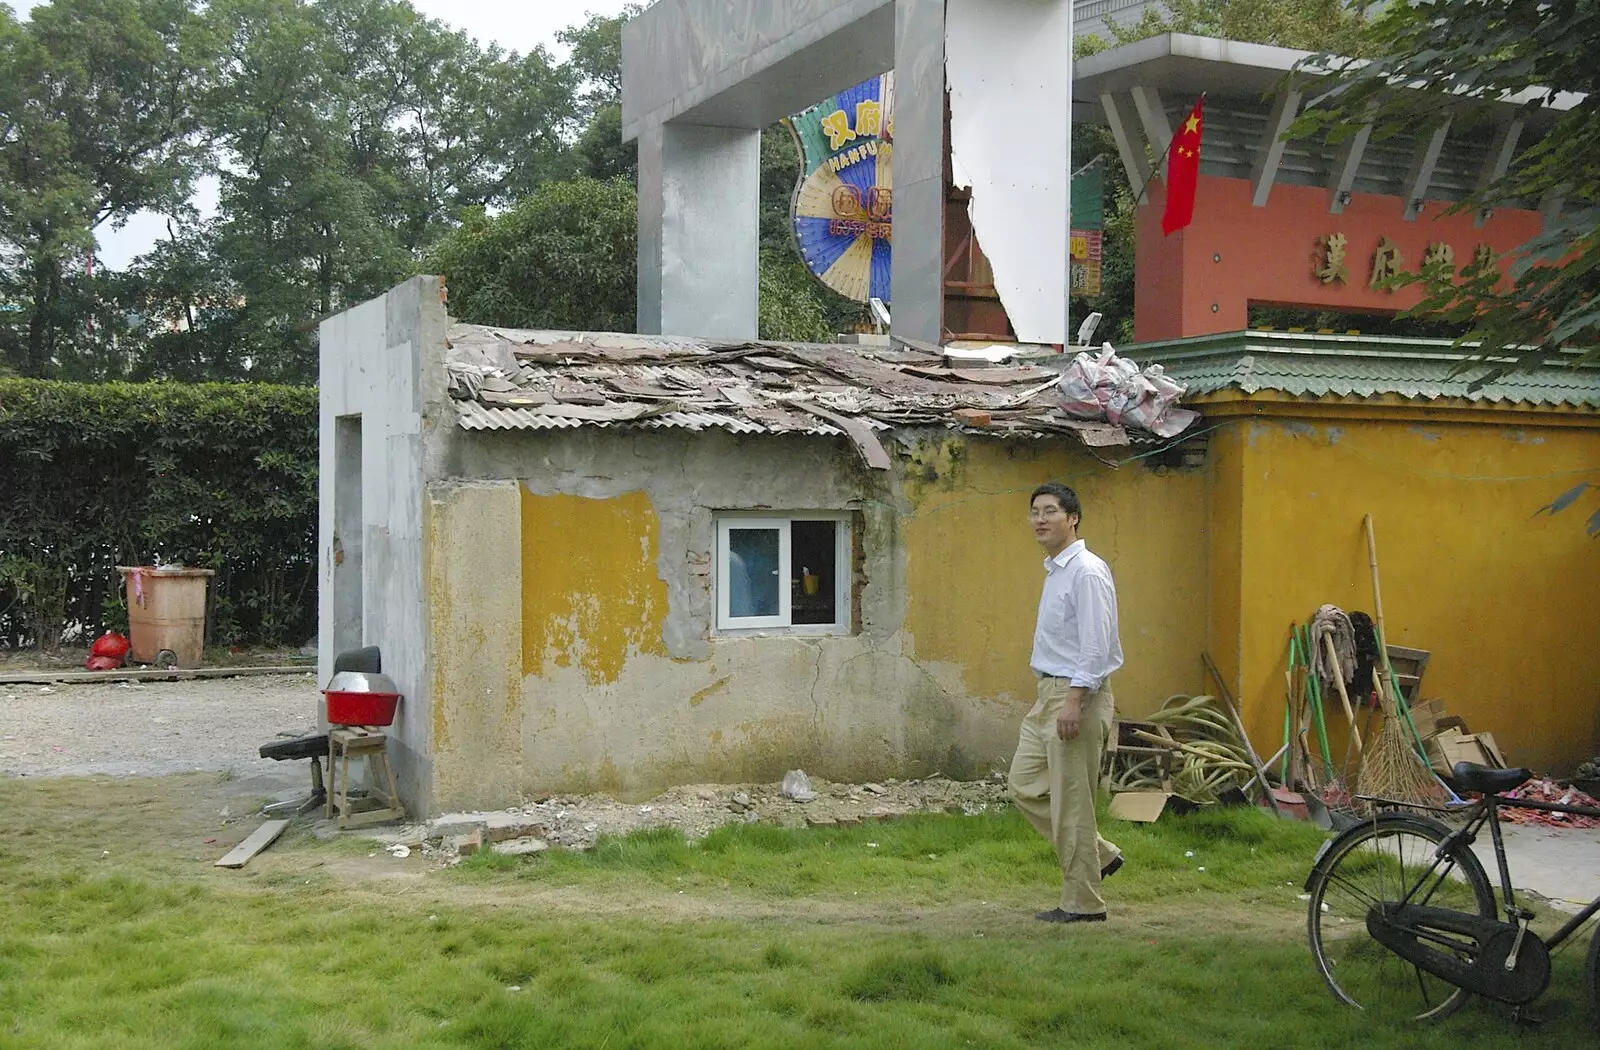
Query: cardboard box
1452, 746
1426, 715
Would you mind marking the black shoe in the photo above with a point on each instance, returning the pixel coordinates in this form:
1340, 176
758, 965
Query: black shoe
1057, 915
1112, 868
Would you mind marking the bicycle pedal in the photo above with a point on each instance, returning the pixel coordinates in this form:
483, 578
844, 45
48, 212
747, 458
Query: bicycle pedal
1524, 1016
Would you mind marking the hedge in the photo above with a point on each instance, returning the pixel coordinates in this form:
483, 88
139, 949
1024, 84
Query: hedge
217, 476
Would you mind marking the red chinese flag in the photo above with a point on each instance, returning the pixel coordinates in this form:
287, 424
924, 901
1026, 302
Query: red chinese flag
1183, 171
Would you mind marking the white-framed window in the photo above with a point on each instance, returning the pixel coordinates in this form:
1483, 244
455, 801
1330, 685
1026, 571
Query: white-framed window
784, 573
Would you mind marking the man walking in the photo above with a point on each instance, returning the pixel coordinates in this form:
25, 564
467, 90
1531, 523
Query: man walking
1075, 649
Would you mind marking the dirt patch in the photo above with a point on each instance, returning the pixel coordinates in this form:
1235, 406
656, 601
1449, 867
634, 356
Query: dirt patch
156, 728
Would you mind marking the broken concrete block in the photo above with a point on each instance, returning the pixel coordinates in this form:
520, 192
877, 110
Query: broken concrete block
503, 827
821, 822
849, 822
466, 843
875, 789
521, 847
455, 824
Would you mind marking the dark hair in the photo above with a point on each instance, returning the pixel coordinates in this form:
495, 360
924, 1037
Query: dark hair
1065, 496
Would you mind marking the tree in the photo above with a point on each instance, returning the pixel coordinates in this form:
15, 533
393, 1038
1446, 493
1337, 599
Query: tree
98, 120
563, 257
1322, 25
1458, 57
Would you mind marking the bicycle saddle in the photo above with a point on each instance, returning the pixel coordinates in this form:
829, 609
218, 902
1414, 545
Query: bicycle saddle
1486, 780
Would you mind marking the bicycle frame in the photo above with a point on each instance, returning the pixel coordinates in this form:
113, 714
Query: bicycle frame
1487, 811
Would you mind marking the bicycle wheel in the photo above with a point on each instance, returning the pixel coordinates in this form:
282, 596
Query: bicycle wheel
1380, 861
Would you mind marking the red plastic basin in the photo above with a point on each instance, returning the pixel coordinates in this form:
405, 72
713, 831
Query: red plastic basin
360, 709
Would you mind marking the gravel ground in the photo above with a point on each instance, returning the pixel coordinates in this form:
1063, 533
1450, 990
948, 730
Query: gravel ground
155, 728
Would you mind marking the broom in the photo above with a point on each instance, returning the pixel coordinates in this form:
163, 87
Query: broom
1391, 766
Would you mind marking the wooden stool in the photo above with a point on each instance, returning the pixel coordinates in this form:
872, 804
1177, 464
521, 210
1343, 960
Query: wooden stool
345, 743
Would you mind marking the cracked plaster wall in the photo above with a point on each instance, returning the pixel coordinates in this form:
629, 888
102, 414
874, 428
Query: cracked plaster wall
621, 684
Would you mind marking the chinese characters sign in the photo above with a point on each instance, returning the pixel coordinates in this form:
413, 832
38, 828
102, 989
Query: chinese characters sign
843, 208
1331, 258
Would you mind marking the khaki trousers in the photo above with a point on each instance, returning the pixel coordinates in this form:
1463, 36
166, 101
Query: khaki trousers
1053, 783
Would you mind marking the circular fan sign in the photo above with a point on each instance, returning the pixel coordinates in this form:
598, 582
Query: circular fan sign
843, 207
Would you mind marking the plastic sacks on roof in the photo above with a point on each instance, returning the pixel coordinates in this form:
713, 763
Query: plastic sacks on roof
1106, 386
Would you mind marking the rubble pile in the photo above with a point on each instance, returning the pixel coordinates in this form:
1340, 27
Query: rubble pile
578, 821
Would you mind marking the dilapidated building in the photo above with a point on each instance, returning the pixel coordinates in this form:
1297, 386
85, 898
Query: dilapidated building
620, 562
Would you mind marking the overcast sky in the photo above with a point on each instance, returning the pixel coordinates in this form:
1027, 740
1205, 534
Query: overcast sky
514, 25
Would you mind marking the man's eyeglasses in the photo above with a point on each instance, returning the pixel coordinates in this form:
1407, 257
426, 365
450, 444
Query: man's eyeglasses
1044, 513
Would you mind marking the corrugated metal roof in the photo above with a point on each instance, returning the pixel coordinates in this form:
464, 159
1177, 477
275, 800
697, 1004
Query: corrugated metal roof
1310, 365
504, 379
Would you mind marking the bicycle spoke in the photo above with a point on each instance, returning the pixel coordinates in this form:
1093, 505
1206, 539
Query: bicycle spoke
1378, 867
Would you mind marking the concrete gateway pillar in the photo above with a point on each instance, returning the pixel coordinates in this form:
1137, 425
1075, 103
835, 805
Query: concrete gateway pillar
699, 226
701, 78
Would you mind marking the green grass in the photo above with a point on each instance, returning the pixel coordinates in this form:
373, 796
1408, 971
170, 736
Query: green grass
755, 937
936, 859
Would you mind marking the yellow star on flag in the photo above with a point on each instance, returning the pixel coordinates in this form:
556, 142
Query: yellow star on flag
1192, 124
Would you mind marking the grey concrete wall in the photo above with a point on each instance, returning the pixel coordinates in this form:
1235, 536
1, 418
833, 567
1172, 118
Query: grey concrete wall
370, 367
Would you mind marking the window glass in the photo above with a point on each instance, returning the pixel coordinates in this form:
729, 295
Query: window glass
814, 547
753, 572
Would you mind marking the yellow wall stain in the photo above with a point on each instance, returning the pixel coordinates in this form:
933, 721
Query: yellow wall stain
974, 569
591, 592
720, 685
440, 610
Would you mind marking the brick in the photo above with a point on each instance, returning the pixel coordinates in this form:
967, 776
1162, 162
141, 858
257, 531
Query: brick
467, 843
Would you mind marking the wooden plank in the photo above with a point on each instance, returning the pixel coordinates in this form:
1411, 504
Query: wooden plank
84, 677
259, 840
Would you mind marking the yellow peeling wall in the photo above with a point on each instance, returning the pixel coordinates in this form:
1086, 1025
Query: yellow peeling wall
1506, 599
562, 661
973, 568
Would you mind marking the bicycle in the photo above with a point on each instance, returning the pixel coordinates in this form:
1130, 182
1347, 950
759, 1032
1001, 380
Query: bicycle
1412, 933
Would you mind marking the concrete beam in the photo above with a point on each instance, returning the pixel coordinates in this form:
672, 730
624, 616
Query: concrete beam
1345, 165
1157, 129
1130, 147
1498, 162
699, 231
747, 64
1551, 205
1270, 155
916, 276
1422, 168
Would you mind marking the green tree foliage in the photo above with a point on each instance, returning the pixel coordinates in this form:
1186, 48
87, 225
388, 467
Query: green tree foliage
563, 257
349, 139
98, 119
1455, 58
1309, 25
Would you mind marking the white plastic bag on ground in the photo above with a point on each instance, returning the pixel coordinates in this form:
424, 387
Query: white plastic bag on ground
797, 785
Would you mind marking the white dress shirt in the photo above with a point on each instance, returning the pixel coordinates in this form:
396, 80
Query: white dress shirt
1076, 635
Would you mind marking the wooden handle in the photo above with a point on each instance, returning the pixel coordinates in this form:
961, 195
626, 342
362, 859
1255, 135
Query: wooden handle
1344, 697
1377, 596
1238, 723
